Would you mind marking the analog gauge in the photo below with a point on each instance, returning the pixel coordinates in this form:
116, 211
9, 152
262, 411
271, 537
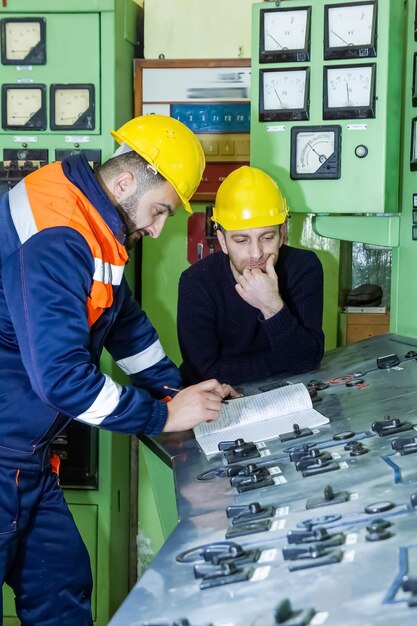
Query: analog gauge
284, 94
72, 107
349, 92
413, 157
23, 107
285, 35
23, 41
350, 30
315, 152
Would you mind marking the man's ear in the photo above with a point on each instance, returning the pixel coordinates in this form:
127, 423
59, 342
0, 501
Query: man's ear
283, 233
222, 241
124, 185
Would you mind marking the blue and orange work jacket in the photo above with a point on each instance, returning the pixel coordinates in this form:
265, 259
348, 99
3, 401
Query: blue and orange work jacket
63, 298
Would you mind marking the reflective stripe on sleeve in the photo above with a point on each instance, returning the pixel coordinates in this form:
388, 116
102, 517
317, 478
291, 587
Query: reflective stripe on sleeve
21, 212
142, 360
108, 273
103, 405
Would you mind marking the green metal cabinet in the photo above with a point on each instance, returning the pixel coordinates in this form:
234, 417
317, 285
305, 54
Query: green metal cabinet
87, 42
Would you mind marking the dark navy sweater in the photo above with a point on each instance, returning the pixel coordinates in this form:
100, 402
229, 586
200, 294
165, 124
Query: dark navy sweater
222, 336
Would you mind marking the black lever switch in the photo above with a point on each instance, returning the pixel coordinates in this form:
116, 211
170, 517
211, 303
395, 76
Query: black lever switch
330, 497
284, 614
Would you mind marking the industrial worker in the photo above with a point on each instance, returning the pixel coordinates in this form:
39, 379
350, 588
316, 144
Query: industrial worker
254, 309
64, 234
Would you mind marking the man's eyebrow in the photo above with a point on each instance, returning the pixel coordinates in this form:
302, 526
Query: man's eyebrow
167, 207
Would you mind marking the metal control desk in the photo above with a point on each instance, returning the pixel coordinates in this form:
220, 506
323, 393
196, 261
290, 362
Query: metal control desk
337, 547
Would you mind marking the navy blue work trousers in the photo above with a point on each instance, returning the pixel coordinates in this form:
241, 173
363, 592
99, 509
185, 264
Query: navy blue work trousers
42, 555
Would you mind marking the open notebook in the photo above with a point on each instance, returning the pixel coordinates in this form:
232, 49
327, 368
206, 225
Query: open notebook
260, 417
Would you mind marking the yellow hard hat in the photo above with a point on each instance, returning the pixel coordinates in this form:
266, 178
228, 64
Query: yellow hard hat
170, 147
249, 198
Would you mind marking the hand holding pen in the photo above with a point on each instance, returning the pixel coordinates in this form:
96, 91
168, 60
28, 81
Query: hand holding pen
196, 404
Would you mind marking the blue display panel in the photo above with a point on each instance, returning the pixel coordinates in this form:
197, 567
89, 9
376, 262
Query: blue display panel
231, 117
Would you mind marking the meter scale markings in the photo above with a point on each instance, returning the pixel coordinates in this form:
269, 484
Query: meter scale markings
315, 152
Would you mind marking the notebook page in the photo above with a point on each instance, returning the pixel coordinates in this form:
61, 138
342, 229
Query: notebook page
262, 431
262, 406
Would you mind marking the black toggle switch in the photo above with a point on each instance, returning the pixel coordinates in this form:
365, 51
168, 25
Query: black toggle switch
238, 449
411, 354
331, 556
226, 574
320, 468
378, 525
390, 426
387, 361
405, 445
330, 497
317, 384
284, 614
250, 528
313, 551
316, 535
318, 461
347, 434
249, 512
296, 433
247, 474
304, 452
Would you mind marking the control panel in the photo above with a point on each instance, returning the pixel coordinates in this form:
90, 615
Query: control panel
316, 526
326, 102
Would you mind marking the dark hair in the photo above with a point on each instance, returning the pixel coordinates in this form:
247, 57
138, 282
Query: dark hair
145, 175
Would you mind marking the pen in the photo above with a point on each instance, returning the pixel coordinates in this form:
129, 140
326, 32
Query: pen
174, 389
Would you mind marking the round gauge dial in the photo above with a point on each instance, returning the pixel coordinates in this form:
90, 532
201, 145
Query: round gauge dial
284, 95
349, 86
70, 104
350, 30
72, 107
23, 107
315, 152
285, 35
284, 89
23, 41
351, 25
285, 30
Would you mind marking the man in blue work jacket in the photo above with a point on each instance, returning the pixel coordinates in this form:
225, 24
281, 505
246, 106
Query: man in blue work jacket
64, 232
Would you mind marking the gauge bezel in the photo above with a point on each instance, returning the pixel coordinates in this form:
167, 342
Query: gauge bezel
37, 55
353, 112
350, 52
81, 123
290, 115
322, 173
289, 55
40, 118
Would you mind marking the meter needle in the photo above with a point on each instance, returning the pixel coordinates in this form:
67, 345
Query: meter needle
341, 38
277, 95
277, 42
322, 157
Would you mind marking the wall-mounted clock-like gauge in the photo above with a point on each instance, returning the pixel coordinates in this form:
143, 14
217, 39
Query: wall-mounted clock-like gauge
413, 156
23, 41
23, 107
72, 107
284, 35
283, 94
315, 152
350, 30
349, 91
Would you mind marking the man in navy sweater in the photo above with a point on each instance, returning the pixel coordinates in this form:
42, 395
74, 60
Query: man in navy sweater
253, 310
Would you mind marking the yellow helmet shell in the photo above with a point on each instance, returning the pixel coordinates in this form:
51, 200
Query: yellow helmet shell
249, 198
170, 147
